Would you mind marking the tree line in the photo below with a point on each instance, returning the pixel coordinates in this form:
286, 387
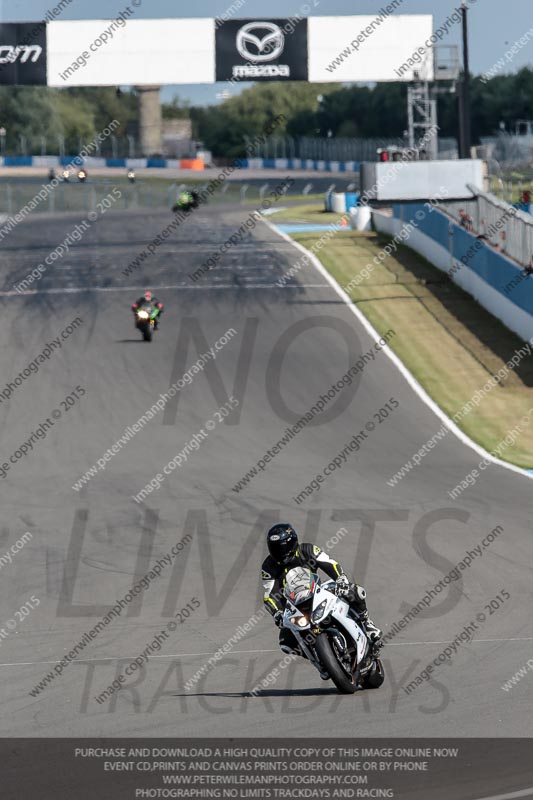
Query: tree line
315, 110
378, 111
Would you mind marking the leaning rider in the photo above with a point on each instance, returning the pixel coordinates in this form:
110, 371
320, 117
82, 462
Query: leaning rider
286, 553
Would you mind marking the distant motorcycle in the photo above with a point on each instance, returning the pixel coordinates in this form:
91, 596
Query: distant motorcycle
186, 201
82, 175
131, 176
329, 633
145, 321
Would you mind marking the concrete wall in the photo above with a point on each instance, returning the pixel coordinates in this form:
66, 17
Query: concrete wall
495, 281
177, 138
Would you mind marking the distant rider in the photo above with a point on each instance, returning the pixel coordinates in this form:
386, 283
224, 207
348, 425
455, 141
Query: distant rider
285, 554
148, 299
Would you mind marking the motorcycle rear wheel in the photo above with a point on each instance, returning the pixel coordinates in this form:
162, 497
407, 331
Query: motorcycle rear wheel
342, 681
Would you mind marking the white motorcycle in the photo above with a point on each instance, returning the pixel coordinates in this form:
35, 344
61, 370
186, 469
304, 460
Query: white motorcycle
329, 633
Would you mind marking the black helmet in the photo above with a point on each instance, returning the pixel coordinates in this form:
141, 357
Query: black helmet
282, 542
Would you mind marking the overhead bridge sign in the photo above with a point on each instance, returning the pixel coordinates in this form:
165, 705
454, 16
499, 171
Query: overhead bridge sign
23, 53
153, 52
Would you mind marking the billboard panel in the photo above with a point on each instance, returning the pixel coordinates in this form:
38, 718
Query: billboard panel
262, 50
413, 180
23, 53
139, 52
370, 48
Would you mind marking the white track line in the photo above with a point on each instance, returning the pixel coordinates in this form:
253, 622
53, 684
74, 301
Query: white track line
472, 641
239, 652
511, 796
210, 288
118, 658
411, 380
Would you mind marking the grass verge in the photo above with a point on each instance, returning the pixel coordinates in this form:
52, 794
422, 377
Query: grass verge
312, 213
444, 337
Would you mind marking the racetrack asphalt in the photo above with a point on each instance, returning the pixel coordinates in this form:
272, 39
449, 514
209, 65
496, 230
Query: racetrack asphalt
88, 547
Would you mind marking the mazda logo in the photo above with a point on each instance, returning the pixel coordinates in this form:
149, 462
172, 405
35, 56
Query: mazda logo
259, 48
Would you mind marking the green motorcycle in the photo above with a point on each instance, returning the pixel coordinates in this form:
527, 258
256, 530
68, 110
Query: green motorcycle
186, 201
145, 320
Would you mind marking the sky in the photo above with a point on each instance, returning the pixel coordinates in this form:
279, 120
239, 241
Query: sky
494, 24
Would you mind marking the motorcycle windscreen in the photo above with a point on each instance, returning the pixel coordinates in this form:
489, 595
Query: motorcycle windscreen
300, 585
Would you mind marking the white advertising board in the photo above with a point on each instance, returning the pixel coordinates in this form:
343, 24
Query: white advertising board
370, 48
139, 52
421, 180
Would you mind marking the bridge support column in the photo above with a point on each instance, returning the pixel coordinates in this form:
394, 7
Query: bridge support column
150, 120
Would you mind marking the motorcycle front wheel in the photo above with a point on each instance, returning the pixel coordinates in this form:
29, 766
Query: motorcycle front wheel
374, 679
344, 683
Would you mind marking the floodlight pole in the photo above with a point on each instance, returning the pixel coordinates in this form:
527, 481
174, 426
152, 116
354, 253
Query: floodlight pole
465, 131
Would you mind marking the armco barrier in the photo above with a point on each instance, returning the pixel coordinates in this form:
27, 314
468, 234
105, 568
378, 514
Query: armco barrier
493, 279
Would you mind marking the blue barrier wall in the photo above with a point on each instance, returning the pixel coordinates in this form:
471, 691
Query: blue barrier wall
300, 163
479, 258
65, 161
242, 163
432, 223
17, 161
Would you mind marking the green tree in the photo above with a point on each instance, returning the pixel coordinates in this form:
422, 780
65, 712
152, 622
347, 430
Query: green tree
73, 114
223, 128
176, 109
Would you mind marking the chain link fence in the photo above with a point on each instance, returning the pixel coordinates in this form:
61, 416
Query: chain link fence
155, 193
505, 227
113, 146
509, 150
336, 149
74, 196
